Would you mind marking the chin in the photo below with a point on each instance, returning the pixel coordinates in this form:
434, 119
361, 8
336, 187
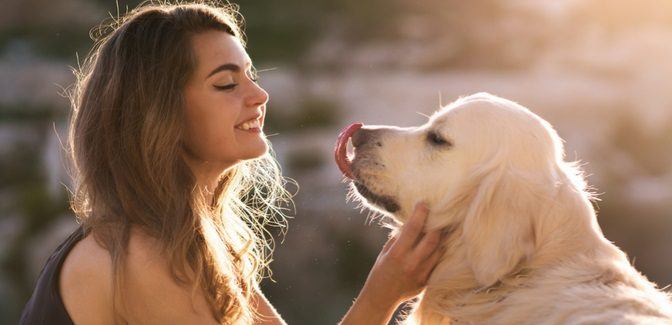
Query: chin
246, 152
256, 151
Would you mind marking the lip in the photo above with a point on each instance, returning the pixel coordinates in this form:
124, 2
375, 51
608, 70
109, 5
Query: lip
387, 202
252, 130
252, 118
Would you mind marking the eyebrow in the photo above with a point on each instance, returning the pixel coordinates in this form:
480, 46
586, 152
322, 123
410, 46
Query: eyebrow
224, 67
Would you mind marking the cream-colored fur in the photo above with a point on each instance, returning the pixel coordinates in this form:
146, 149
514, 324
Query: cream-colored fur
524, 244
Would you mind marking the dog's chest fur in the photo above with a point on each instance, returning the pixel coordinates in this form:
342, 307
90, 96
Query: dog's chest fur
573, 292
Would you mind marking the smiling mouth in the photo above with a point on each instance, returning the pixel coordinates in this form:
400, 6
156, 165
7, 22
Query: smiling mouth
387, 202
250, 125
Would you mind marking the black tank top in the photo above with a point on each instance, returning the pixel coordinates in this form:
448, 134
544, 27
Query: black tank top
45, 305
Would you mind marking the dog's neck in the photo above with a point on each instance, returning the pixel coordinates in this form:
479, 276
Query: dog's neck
568, 232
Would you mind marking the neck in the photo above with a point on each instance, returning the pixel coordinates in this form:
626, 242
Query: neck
567, 231
207, 176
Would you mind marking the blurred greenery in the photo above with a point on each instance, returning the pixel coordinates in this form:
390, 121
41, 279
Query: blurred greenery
305, 159
327, 252
310, 113
55, 42
23, 176
31, 114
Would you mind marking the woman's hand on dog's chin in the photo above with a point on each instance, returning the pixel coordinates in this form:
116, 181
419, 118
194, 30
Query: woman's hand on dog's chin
400, 272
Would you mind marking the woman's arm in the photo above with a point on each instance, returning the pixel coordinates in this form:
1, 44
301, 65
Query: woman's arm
399, 274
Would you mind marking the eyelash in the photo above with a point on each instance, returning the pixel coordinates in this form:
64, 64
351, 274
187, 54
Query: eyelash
225, 87
254, 79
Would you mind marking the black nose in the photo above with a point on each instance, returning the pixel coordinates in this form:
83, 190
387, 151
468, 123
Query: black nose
361, 137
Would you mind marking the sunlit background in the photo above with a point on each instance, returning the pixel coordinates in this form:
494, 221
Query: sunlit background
599, 70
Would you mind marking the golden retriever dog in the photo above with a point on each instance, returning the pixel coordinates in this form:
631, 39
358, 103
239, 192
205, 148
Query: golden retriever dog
524, 244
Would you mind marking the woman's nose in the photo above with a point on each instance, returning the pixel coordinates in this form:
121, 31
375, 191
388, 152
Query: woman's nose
258, 95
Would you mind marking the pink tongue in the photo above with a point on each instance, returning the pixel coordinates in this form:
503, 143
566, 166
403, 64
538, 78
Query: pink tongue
340, 151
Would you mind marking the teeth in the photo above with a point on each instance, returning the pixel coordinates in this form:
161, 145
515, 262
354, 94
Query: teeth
249, 125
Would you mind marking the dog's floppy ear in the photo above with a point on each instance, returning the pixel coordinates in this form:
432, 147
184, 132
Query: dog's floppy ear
498, 231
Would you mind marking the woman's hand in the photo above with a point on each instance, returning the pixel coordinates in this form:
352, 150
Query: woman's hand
400, 272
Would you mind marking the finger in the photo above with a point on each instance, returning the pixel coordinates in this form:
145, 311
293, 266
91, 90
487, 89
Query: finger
430, 264
426, 247
413, 227
389, 244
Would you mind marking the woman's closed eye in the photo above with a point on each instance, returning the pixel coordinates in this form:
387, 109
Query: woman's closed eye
226, 87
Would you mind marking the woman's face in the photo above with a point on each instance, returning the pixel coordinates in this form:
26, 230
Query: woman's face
225, 107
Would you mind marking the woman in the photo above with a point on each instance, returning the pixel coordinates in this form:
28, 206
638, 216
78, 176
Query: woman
166, 141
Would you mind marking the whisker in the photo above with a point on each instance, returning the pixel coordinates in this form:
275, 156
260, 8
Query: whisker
423, 114
268, 69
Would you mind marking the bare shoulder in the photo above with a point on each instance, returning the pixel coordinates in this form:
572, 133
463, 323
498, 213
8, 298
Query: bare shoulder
87, 266
151, 295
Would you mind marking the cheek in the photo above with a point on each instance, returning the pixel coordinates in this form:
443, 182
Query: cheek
208, 125
401, 168
405, 159
425, 175
198, 138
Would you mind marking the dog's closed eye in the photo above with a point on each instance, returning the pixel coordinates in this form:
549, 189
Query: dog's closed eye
436, 139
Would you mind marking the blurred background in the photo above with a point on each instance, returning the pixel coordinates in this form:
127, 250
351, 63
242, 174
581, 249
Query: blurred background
600, 71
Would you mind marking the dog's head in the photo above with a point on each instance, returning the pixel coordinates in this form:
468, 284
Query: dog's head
482, 164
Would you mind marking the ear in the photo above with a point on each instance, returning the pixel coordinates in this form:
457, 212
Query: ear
498, 231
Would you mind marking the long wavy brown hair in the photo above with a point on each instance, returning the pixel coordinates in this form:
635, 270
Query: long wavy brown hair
126, 145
